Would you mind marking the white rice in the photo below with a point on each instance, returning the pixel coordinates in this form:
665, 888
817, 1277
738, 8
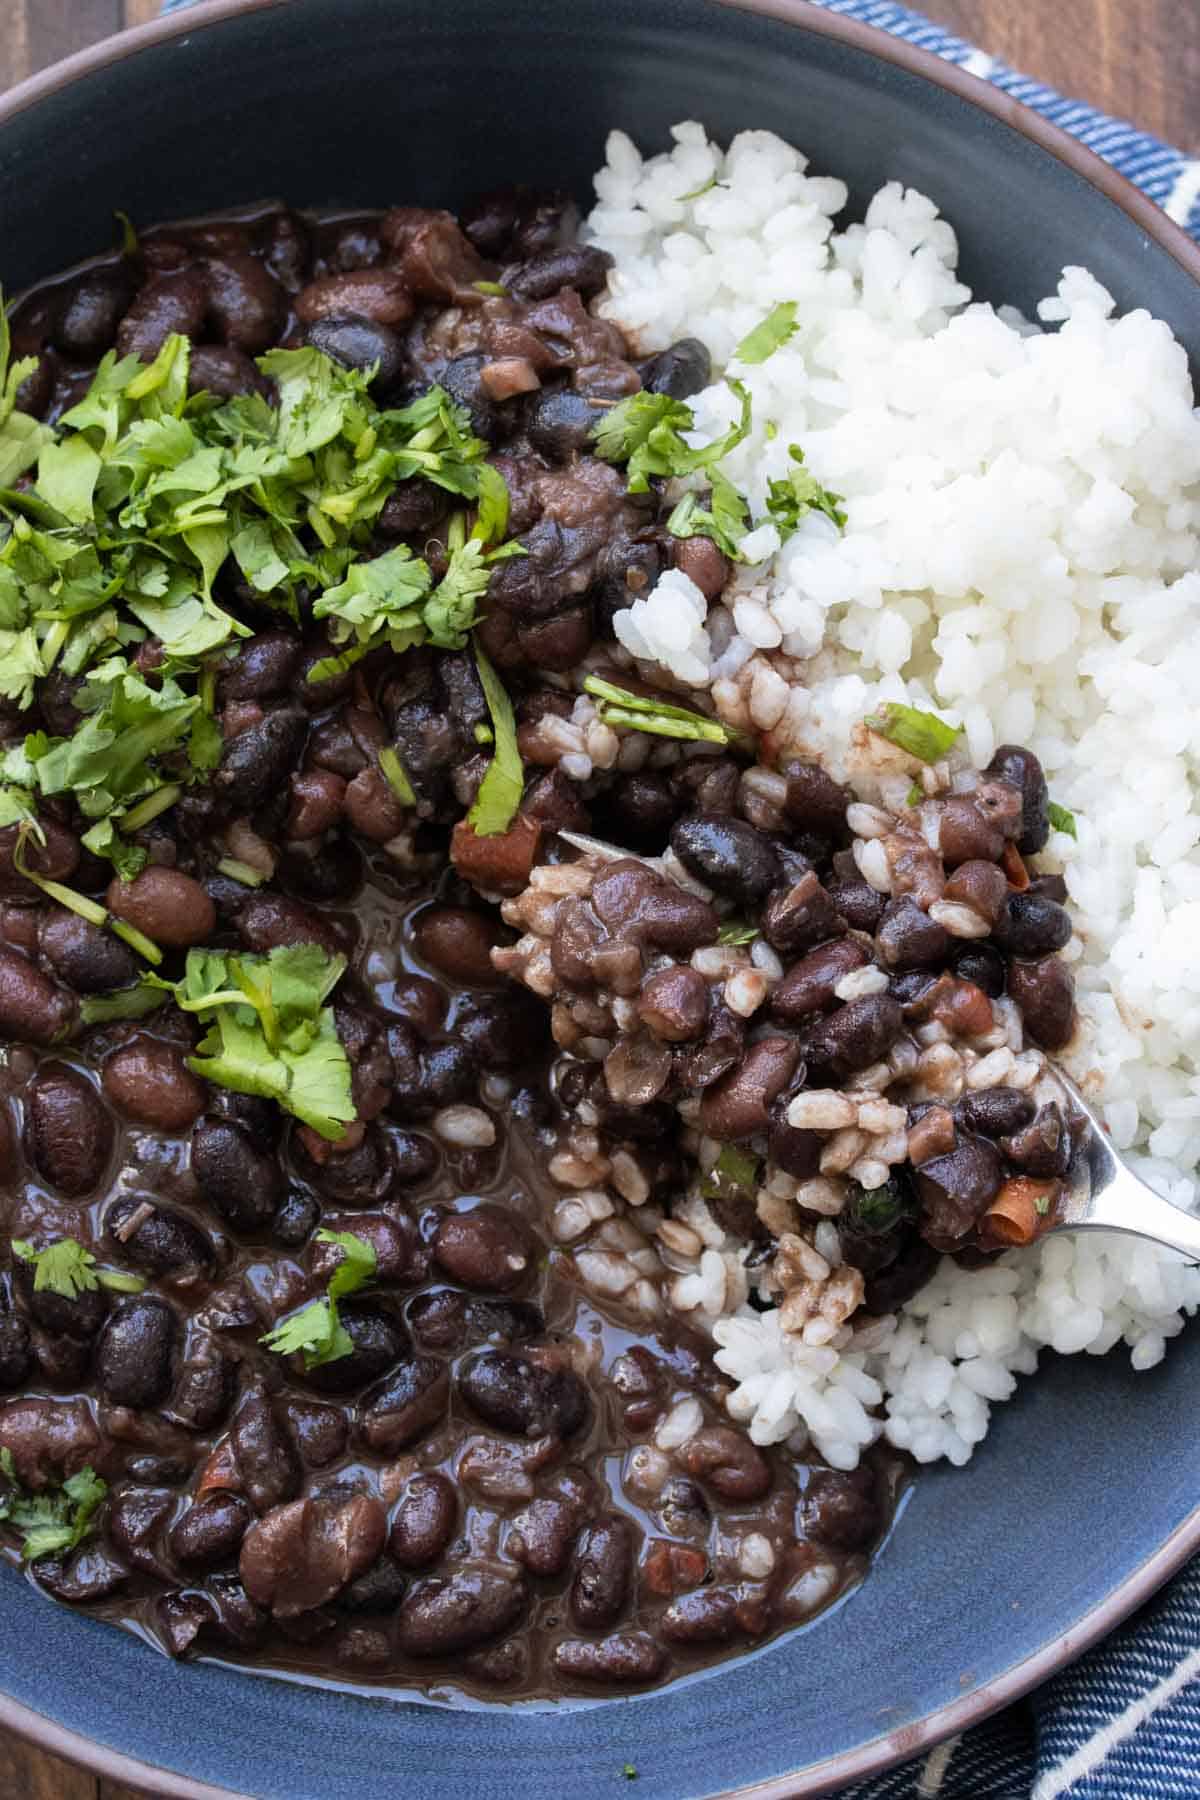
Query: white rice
1022, 551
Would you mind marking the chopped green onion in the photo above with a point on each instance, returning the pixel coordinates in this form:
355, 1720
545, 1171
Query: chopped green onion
150, 807
770, 335
240, 871
921, 734
733, 1170
1062, 819
619, 707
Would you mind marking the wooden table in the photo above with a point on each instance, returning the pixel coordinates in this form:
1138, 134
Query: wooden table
1137, 58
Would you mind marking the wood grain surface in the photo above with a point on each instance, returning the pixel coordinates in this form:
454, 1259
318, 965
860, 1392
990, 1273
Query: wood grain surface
1139, 59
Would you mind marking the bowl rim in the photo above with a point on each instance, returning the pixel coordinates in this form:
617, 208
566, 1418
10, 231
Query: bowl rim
905, 1741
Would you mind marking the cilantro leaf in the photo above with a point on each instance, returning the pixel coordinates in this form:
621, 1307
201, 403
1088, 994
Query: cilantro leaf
379, 601
617, 706
52, 1523
451, 610
645, 430
735, 931
1062, 819
769, 335
315, 1331
726, 522
67, 1269
503, 784
791, 496
921, 734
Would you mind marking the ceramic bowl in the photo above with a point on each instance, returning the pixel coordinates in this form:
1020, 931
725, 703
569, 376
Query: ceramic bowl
1083, 1498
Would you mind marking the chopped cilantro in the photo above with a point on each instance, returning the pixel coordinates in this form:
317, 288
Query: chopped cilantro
1062, 819
315, 1331
736, 931
735, 1171
617, 706
644, 431
396, 776
921, 734
704, 188
270, 1032
726, 520
51, 1523
769, 335
876, 1210
798, 492
491, 287
67, 1269
629, 1771
503, 783
915, 795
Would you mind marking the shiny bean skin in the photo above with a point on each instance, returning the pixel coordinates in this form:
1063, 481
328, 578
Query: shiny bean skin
739, 1104
69, 1132
485, 1249
728, 855
241, 1182
134, 1352
543, 1535
378, 1342
168, 906
57, 859
627, 1659
708, 1616
156, 1238
33, 1009
379, 295
424, 1522
264, 1454
91, 309
209, 1534
223, 370
603, 1576
359, 343
457, 941
446, 1617
148, 1081
808, 986
1045, 992
406, 1405
520, 1396
87, 957
728, 1462
245, 302
299, 1556
172, 302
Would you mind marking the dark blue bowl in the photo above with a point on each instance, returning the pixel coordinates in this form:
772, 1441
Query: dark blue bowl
996, 1574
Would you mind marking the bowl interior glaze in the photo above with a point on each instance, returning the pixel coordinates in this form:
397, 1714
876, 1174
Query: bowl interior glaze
1091, 1471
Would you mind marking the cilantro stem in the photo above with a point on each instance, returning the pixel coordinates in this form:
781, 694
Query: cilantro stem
396, 776
53, 642
150, 807
208, 689
240, 871
91, 910
135, 939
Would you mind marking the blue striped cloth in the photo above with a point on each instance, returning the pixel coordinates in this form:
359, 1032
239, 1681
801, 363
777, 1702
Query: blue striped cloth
1123, 1723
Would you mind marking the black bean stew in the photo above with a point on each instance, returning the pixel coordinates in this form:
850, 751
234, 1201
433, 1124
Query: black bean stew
418, 1393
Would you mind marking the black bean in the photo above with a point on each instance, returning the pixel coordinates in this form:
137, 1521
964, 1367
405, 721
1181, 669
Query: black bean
300, 1556
520, 1396
738, 1106
1040, 1146
957, 1189
579, 266
983, 965
77, 1315
256, 1117
359, 343
320, 1431
155, 1238
413, 1157
90, 310
85, 956
708, 1616
543, 1535
859, 904
169, 906
223, 370
485, 1249
808, 986
241, 1182
425, 1520
888, 1290
629, 1658
728, 1462
173, 302
136, 1517
264, 1451
729, 855
799, 916
907, 938
444, 1617
842, 1509
680, 370
415, 505
210, 1532
461, 379
33, 1009
1050, 887
148, 1081
358, 1177
69, 1131
852, 1038
297, 1217
205, 1383
407, 1404
995, 1112
1031, 925
794, 1150
256, 763
1022, 770
558, 423
329, 870
263, 667
501, 1031
245, 302
1045, 993
638, 811
271, 922
56, 859
603, 1572
134, 1352
378, 1341
673, 1003
92, 1573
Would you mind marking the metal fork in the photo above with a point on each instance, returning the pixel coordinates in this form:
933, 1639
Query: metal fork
1104, 1194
